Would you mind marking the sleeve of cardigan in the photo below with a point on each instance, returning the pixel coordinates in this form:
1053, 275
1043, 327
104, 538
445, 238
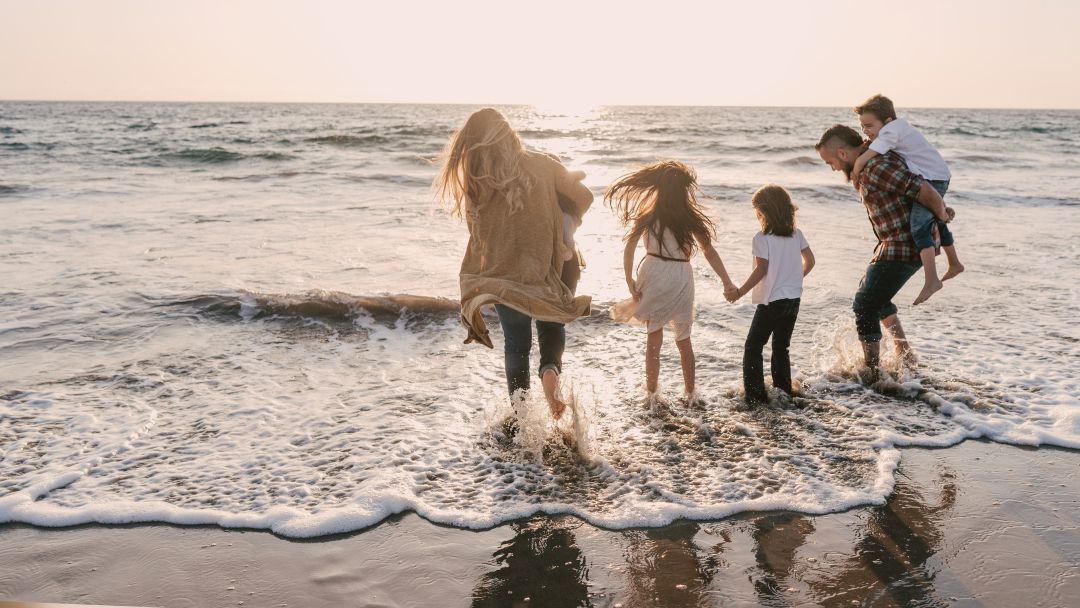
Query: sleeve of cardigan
569, 184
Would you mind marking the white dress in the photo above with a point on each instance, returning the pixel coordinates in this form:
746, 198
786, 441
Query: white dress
666, 286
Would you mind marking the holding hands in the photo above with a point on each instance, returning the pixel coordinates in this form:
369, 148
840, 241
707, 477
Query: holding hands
732, 293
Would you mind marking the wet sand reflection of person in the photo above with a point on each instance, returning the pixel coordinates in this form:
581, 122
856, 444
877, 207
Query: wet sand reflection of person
660, 561
889, 565
541, 562
777, 537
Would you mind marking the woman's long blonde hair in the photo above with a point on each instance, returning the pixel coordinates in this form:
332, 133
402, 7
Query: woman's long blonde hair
484, 159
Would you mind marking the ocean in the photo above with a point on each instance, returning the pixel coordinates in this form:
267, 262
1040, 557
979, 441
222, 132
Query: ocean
240, 314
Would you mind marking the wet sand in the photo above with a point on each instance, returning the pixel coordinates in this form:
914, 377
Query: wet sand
979, 524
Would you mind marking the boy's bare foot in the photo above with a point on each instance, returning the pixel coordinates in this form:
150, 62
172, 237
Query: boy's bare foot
954, 269
551, 384
929, 289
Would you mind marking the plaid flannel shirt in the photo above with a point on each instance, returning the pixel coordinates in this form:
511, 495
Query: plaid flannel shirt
888, 190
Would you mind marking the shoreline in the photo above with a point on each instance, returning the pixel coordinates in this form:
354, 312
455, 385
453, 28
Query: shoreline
979, 523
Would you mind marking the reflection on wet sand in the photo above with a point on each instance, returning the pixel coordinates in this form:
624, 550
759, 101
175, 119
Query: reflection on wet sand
761, 559
890, 564
666, 567
540, 566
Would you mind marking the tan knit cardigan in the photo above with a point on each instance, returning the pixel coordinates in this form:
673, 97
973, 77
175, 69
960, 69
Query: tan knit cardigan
516, 258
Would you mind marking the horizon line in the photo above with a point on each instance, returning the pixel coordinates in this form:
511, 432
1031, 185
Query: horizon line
505, 104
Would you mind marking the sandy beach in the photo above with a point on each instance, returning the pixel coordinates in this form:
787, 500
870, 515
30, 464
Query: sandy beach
979, 524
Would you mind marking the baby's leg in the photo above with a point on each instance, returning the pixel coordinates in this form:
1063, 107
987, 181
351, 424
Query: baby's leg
652, 360
686, 358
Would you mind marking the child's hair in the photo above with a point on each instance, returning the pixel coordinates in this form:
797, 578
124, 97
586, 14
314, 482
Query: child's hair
661, 196
484, 158
776, 209
879, 106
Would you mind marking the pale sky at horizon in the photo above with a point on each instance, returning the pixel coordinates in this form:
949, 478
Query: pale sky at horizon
992, 54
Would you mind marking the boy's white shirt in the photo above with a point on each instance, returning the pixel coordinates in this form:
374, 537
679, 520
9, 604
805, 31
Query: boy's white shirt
921, 157
784, 279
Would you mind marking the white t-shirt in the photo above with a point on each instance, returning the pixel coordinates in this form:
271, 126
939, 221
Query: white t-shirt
921, 157
784, 278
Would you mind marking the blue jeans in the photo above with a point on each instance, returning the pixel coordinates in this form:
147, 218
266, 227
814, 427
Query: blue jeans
777, 318
517, 342
873, 300
923, 221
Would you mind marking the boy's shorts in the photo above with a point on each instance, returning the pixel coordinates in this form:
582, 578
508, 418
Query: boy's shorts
923, 222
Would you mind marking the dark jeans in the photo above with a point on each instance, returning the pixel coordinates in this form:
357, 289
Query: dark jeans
873, 300
923, 221
517, 342
777, 318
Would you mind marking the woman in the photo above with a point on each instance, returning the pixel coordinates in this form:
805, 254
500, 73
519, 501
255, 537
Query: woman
514, 259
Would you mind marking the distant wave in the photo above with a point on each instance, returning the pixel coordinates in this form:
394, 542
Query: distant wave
9, 131
210, 125
978, 158
800, 161
142, 126
318, 304
219, 155
349, 141
6, 189
15, 146
401, 180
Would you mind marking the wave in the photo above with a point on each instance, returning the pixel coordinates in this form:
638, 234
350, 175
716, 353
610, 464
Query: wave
318, 304
349, 141
219, 155
400, 180
204, 155
801, 161
210, 125
10, 131
6, 189
15, 146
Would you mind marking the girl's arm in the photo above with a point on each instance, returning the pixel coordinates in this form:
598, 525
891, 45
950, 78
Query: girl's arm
761, 268
861, 162
717, 264
628, 266
807, 261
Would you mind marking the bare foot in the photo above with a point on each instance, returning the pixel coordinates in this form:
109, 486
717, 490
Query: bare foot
954, 269
551, 384
929, 289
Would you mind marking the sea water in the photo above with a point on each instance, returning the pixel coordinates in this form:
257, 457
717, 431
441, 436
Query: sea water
202, 321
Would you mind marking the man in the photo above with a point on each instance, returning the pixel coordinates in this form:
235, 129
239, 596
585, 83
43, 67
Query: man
888, 189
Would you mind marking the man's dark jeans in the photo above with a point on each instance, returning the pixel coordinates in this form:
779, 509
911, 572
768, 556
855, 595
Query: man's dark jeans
873, 300
777, 318
517, 342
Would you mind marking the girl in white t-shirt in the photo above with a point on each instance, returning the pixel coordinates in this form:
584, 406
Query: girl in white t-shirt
782, 257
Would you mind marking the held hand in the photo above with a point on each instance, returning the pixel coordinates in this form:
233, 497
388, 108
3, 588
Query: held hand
731, 293
951, 213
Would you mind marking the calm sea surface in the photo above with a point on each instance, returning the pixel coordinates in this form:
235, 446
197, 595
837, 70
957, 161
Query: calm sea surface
189, 327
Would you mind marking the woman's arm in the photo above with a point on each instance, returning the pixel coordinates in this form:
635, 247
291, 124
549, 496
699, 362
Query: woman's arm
807, 261
628, 266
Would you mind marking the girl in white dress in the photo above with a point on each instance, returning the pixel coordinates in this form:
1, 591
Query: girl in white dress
659, 204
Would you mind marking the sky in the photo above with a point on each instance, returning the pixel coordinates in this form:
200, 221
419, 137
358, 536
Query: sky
549, 53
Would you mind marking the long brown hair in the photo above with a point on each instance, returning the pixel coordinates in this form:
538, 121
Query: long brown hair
661, 196
776, 209
484, 159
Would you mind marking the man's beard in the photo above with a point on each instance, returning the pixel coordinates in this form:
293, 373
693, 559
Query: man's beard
848, 168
